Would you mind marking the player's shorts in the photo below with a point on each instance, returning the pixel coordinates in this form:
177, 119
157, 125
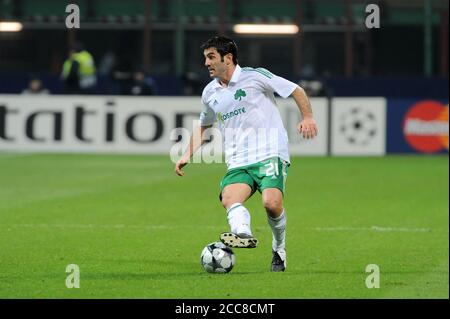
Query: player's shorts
270, 173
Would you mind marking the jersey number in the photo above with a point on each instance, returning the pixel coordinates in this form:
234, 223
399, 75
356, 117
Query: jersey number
271, 169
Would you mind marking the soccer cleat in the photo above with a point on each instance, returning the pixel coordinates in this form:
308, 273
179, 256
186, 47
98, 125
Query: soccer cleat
278, 260
238, 240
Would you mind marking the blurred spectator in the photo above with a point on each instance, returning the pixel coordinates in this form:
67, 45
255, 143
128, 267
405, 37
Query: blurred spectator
79, 73
107, 64
192, 84
142, 84
308, 70
105, 71
314, 87
35, 87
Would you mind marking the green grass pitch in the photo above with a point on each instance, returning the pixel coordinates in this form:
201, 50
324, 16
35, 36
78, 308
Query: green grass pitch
136, 230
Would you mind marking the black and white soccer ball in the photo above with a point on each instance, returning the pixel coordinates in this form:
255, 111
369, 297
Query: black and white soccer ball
358, 126
217, 258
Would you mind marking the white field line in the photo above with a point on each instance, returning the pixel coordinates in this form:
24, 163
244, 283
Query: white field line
112, 226
18, 155
174, 227
376, 229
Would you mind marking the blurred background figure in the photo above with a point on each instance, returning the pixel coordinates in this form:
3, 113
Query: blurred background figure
315, 87
79, 72
332, 44
107, 64
142, 84
192, 84
35, 86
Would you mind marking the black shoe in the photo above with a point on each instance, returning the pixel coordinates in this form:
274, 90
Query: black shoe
278, 263
238, 240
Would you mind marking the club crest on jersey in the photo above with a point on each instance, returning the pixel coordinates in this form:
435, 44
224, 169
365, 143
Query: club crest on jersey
239, 94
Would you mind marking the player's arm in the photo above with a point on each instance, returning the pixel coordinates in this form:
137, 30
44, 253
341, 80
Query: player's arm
307, 126
284, 88
196, 141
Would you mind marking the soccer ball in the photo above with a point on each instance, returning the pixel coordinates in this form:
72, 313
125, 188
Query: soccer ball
217, 258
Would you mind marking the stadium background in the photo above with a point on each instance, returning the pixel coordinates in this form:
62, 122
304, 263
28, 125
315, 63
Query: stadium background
378, 94
334, 54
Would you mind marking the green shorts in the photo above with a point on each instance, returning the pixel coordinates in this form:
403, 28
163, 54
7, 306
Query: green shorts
270, 173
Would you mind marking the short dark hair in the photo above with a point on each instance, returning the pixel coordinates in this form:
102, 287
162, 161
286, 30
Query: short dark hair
223, 45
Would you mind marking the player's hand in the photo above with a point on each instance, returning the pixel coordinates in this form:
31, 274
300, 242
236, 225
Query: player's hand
179, 165
307, 127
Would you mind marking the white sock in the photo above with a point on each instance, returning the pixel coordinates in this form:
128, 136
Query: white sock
239, 219
278, 226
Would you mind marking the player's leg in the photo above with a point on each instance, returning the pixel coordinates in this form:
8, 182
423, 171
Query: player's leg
233, 197
235, 193
273, 175
273, 203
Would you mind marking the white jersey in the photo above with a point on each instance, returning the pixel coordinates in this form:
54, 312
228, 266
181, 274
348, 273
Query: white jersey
248, 116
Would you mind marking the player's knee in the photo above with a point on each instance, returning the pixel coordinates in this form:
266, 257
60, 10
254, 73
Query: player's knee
273, 207
227, 201
224, 203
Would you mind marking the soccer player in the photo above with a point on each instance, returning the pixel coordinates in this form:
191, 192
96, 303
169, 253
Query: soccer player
242, 101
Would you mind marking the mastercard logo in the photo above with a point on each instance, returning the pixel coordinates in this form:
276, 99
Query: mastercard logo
425, 126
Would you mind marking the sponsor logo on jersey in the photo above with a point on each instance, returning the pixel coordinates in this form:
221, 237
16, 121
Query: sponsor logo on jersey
223, 117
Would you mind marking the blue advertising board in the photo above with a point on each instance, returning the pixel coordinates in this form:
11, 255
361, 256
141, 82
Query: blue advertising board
417, 126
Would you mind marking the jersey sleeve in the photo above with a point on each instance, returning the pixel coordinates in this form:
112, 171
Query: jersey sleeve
207, 115
273, 83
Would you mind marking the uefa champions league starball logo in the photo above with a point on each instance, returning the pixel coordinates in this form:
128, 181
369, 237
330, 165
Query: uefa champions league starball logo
358, 126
